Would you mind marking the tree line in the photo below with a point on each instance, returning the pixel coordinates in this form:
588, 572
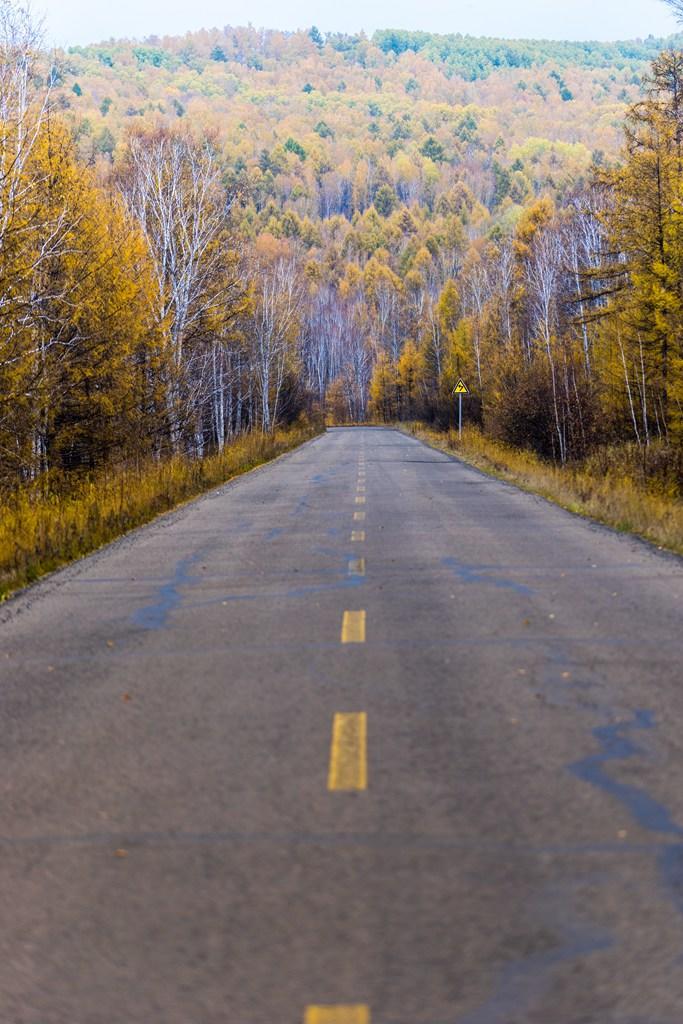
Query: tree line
570, 328
133, 319
173, 296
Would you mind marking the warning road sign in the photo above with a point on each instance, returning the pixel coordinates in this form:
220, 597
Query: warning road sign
461, 388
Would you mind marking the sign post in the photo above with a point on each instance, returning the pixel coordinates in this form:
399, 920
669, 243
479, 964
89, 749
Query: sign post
460, 389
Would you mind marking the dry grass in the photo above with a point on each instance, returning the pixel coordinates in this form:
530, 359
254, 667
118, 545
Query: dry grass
610, 493
39, 532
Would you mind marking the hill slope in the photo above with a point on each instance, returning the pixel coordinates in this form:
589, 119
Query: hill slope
508, 118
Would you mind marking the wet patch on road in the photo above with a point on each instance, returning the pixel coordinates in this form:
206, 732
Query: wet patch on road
649, 813
616, 745
168, 596
522, 983
482, 574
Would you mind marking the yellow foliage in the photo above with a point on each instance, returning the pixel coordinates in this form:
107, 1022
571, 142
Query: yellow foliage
610, 492
40, 530
383, 389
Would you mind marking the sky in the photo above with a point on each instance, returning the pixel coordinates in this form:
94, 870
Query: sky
70, 22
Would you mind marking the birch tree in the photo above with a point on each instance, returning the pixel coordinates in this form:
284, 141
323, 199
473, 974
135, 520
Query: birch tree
172, 183
274, 329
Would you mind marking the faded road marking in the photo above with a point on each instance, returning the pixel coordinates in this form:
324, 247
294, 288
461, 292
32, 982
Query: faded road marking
353, 628
358, 535
359, 516
348, 756
337, 1015
356, 567
360, 499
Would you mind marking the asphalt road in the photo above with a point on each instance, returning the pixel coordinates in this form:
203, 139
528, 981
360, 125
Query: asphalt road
364, 737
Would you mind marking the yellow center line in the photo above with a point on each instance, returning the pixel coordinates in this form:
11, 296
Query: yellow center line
360, 499
348, 751
359, 516
358, 535
337, 1015
356, 567
353, 628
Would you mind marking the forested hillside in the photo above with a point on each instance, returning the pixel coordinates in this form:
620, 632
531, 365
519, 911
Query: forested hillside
507, 117
220, 232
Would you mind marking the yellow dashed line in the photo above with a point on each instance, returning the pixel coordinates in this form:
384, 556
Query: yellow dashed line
359, 516
353, 628
356, 567
337, 1015
360, 499
358, 535
348, 753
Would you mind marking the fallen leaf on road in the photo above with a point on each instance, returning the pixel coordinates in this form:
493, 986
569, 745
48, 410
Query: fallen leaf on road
121, 853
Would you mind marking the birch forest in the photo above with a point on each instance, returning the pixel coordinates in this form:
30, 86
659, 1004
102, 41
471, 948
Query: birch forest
242, 229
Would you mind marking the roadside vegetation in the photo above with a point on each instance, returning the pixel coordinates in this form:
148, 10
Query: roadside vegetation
625, 488
45, 526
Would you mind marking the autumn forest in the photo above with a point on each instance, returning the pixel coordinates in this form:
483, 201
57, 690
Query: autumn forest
240, 230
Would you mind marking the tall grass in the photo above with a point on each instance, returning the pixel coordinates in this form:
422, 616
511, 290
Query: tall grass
39, 530
612, 486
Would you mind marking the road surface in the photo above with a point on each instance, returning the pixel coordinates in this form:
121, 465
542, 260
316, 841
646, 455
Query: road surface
363, 737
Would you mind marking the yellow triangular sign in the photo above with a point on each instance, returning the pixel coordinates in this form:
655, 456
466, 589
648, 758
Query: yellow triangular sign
461, 388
